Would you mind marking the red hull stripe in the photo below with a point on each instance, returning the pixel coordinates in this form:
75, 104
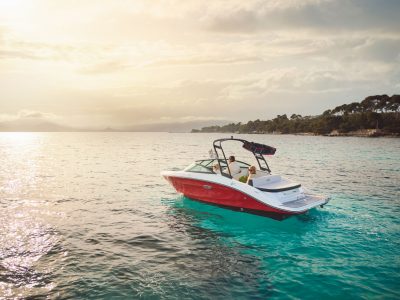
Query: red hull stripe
273, 215
220, 195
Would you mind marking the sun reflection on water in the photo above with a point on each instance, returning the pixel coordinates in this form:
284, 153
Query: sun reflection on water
20, 152
25, 238
25, 233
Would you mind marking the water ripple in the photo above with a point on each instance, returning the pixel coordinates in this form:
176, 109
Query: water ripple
88, 216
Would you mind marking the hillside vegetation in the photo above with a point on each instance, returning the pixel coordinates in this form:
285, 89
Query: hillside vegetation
379, 112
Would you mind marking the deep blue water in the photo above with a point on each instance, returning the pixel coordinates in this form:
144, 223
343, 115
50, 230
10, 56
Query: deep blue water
87, 215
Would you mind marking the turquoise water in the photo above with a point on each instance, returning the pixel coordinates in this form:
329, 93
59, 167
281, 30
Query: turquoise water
87, 215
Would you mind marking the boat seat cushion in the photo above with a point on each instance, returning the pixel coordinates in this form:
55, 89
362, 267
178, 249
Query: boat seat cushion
274, 184
265, 180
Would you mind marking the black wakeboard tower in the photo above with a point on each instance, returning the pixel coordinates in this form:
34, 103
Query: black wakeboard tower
258, 151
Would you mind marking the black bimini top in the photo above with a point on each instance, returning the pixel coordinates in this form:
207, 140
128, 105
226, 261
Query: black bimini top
255, 148
259, 148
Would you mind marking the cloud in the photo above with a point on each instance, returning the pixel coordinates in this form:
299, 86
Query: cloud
17, 54
30, 120
29, 114
103, 67
302, 81
205, 61
13, 47
384, 50
345, 15
267, 92
32, 114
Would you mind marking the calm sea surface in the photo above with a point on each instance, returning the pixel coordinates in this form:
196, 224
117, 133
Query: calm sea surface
87, 215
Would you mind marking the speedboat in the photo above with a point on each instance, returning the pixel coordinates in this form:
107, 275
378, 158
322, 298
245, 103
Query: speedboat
265, 194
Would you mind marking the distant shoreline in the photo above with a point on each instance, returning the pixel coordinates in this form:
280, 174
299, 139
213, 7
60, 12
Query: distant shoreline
348, 134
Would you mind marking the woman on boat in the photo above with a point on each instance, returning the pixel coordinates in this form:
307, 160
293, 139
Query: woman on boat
216, 168
252, 174
233, 167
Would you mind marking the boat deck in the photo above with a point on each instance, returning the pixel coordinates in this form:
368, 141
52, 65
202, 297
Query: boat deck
306, 201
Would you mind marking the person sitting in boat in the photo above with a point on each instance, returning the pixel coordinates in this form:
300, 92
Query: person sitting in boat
216, 168
234, 167
252, 174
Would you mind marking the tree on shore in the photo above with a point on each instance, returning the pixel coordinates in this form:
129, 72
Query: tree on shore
374, 112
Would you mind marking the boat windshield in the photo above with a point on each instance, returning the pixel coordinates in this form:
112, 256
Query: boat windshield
206, 166
210, 162
198, 168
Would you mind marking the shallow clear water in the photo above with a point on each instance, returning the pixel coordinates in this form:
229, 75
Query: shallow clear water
87, 215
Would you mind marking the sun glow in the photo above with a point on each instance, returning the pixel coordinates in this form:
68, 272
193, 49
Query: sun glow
20, 139
126, 64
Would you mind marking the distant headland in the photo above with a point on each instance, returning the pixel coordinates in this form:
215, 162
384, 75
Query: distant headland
377, 115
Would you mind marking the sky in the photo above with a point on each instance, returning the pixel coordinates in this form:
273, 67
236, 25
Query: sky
169, 64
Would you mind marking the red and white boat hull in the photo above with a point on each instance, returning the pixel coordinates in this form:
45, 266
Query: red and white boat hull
230, 193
